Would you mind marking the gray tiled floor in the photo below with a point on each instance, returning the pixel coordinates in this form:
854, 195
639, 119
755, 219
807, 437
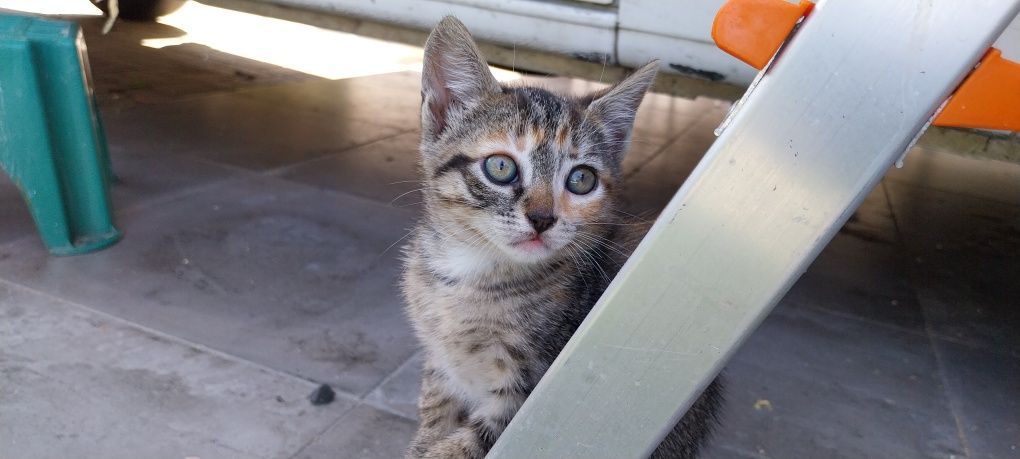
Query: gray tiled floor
984, 387
843, 388
77, 383
208, 267
258, 261
195, 128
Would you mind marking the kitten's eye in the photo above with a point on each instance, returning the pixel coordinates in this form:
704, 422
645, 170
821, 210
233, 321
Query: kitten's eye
581, 180
500, 169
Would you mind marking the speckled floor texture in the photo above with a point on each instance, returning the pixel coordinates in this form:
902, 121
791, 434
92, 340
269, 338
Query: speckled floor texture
261, 206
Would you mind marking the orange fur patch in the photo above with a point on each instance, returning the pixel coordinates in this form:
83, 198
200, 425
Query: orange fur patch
561, 136
540, 198
538, 134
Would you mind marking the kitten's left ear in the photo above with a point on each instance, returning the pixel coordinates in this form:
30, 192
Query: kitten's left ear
617, 106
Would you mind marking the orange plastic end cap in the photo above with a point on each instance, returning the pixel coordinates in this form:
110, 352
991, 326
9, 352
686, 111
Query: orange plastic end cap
989, 98
753, 30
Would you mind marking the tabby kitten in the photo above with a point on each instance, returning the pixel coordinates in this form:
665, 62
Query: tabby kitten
520, 237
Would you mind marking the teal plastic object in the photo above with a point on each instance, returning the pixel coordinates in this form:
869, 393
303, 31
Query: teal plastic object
51, 139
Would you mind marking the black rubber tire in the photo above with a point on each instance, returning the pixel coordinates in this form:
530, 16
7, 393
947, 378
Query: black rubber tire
144, 10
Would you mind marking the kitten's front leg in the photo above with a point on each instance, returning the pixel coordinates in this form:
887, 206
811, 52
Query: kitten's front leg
486, 422
439, 413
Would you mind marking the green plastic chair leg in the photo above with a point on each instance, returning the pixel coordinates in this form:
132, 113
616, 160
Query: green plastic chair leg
51, 139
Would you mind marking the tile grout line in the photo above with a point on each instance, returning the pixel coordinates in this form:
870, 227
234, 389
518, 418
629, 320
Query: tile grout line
897, 328
740, 451
246, 175
328, 154
390, 376
175, 339
862, 320
341, 418
322, 432
672, 140
174, 196
358, 400
666, 145
233, 358
363, 401
954, 409
939, 360
382, 406
893, 327
929, 189
974, 346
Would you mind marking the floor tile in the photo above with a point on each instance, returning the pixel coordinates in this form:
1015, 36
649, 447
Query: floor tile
399, 393
664, 118
640, 153
291, 277
810, 384
984, 388
15, 219
945, 171
364, 433
863, 271
392, 100
139, 183
964, 255
715, 451
648, 187
385, 171
231, 129
74, 383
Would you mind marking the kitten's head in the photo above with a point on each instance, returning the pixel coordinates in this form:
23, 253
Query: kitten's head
519, 171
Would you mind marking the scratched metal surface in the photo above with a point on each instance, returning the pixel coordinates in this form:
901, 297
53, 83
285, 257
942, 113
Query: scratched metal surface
839, 107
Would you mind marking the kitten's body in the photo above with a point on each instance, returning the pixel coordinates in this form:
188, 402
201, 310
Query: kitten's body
489, 339
500, 275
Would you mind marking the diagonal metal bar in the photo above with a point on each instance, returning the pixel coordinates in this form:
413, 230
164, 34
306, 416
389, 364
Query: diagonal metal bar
837, 108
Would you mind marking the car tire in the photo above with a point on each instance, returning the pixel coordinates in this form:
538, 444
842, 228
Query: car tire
143, 10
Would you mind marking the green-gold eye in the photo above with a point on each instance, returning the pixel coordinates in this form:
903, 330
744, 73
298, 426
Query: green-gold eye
500, 169
582, 180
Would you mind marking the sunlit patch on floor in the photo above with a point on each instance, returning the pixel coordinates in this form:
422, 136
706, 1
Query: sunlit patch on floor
69, 7
308, 49
300, 47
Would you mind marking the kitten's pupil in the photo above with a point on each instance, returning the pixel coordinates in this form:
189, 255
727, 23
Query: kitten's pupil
500, 169
581, 180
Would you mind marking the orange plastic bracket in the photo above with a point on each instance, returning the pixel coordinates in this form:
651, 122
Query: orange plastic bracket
753, 30
989, 98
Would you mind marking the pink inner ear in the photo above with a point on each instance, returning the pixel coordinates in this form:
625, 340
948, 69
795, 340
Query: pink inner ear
438, 109
438, 103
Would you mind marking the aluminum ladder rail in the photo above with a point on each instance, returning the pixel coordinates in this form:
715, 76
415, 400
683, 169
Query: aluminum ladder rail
840, 104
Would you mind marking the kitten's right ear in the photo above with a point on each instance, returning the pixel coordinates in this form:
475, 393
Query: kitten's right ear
455, 76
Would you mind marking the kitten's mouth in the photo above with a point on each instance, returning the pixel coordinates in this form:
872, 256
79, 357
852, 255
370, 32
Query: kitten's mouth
533, 243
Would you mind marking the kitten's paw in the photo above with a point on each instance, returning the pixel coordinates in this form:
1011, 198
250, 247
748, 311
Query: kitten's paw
453, 448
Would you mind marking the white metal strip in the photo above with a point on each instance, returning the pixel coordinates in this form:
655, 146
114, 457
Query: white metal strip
834, 112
